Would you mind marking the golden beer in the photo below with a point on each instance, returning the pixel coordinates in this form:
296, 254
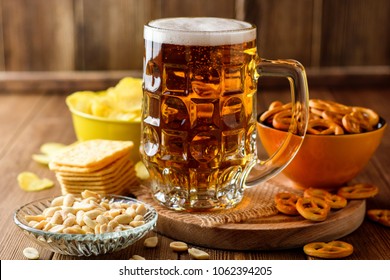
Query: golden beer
198, 137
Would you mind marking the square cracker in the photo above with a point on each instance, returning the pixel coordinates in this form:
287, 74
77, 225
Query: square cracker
111, 168
96, 176
92, 154
129, 172
122, 189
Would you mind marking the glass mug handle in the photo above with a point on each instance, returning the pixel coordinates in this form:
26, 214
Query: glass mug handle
295, 73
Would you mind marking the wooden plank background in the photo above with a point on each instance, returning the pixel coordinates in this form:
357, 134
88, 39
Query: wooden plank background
106, 35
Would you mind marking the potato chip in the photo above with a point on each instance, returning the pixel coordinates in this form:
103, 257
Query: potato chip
141, 171
48, 150
51, 148
101, 107
80, 101
122, 102
29, 181
41, 158
128, 94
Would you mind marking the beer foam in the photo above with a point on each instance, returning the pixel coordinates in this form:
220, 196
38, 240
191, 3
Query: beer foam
199, 31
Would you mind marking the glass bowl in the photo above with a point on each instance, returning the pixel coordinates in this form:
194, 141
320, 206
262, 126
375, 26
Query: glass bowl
84, 244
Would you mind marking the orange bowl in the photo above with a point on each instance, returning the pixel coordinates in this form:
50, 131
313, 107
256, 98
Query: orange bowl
325, 161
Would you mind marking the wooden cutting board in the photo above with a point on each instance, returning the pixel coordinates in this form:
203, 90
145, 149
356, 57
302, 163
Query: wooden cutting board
271, 231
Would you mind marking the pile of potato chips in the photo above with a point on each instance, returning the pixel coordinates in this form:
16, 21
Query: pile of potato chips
122, 102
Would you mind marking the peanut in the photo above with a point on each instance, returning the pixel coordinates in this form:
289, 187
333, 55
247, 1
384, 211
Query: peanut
36, 218
70, 221
57, 228
92, 214
151, 242
178, 246
102, 219
57, 218
49, 212
89, 222
40, 225
198, 254
68, 200
79, 218
137, 257
123, 219
31, 253
72, 230
58, 201
131, 212
136, 223
141, 210
88, 193
139, 218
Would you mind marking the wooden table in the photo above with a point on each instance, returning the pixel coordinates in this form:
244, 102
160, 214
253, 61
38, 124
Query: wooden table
29, 119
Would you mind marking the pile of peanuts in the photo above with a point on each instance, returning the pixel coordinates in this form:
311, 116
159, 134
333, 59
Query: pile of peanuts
88, 214
325, 117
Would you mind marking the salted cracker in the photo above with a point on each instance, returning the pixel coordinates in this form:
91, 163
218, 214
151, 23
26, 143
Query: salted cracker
90, 155
130, 172
122, 189
96, 176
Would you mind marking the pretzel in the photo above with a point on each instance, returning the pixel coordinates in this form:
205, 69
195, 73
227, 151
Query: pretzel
335, 201
332, 116
381, 216
353, 124
338, 108
316, 113
318, 104
358, 191
370, 115
274, 110
282, 120
313, 208
321, 126
334, 249
275, 104
285, 203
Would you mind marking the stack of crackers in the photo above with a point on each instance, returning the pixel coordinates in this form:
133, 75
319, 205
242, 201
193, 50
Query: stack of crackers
103, 166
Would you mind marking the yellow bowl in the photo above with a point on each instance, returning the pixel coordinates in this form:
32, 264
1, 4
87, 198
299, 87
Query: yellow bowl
89, 127
325, 161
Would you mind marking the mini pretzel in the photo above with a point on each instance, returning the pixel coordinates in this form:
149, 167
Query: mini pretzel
335, 201
318, 104
354, 123
338, 108
285, 203
274, 111
275, 104
330, 250
358, 191
282, 120
381, 216
370, 115
332, 116
316, 113
313, 208
321, 126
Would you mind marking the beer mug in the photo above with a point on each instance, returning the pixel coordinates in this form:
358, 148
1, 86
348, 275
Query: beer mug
198, 132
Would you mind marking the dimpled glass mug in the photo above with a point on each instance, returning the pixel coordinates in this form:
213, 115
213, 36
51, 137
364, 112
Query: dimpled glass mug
198, 134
